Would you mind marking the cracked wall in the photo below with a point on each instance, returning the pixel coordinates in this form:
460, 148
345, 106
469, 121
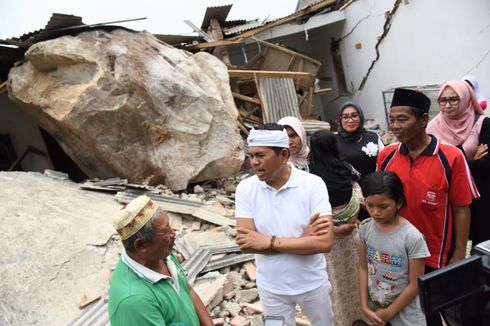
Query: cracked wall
414, 44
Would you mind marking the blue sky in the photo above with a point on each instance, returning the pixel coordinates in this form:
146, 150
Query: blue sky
163, 16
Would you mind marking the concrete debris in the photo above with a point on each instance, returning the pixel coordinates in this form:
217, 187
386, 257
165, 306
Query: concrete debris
251, 271
56, 174
252, 308
256, 321
248, 295
210, 289
198, 189
239, 321
233, 307
228, 289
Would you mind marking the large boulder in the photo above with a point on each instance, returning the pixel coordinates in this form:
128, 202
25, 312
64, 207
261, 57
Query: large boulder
125, 104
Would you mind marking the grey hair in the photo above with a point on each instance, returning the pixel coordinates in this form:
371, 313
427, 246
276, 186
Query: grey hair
146, 233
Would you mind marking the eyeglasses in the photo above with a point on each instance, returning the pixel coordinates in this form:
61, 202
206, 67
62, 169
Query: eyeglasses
353, 116
443, 101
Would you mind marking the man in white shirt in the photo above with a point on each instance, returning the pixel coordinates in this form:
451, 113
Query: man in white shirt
283, 216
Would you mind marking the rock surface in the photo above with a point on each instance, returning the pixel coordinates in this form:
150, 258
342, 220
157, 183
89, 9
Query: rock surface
58, 245
124, 104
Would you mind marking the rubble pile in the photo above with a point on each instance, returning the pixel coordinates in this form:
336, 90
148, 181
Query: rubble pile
223, 277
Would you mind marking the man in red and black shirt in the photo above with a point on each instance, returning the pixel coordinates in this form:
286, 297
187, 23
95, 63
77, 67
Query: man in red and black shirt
436, 179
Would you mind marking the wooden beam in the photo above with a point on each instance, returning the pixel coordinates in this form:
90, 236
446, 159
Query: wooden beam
248, 114
300, 68
270, 74
322, 91
242, 128
310, 101
3, 87
211, 44
345, 5
246, 98
262, 107
286, 50
303, 97
253, 118
291, 62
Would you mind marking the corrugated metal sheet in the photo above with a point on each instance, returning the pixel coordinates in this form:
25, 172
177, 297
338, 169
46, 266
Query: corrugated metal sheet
242, 28
219, 13
313, 125
176, 40
279, 98
236, 22
51, 30
302, 4
59, 25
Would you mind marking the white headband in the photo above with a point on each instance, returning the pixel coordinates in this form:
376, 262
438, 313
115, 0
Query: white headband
268, 138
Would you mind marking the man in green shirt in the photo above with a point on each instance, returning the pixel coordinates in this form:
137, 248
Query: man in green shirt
149, 286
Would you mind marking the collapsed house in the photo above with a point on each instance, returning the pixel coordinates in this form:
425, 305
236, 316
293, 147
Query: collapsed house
164, 106
322, 54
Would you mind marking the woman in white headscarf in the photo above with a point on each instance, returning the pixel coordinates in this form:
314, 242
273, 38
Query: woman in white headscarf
471, 80
298, 143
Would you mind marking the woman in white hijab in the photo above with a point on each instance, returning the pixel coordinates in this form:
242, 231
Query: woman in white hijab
471, 80
298, 143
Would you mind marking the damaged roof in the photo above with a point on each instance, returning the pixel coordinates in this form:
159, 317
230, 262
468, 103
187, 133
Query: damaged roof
56, 24
219, 13
250, 25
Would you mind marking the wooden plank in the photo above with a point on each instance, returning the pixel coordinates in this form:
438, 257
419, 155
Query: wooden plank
249, 113
322, 91
212, 44
300, 68
3, 87
288, 51
345, 5
303, 97
291, 62
310, 101
254, 119
252, 100
270, 74
262, 107
242, 128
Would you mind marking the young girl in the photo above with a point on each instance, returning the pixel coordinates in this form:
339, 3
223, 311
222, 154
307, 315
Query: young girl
391, 255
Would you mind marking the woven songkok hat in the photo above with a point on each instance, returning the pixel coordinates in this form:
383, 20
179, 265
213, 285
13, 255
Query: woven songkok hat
131, 218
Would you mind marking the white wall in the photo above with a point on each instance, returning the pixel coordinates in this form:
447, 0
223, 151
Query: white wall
430, 41
23, 132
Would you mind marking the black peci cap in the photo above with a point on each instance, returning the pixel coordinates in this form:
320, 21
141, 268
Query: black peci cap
408, 97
